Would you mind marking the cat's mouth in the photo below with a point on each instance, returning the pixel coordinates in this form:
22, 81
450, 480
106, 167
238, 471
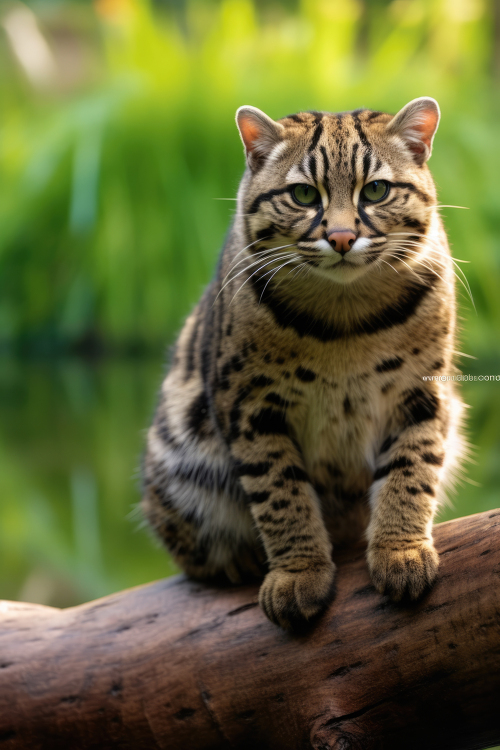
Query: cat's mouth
343, 263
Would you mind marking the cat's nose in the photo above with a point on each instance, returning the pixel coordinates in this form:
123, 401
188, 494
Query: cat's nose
342, 240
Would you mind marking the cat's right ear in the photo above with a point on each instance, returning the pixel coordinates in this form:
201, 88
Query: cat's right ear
416, 124
259, 134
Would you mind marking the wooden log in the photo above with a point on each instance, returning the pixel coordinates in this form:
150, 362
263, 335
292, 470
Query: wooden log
176, 664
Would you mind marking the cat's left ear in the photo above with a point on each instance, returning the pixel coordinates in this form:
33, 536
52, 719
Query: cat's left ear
259, 134
416, 124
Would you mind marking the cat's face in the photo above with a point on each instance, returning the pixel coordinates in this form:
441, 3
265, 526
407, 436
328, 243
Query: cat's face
341, 194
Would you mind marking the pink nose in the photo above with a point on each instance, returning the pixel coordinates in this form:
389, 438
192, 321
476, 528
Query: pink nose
342, 240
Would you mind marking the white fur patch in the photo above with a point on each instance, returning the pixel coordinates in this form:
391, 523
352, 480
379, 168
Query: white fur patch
361, 243
323, 245
294, 175
277, 151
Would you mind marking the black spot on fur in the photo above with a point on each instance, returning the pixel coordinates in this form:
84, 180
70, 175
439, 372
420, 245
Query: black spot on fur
279, 504
236, 363
389, 364
269, 422
296, 473
275, 454
253, 470
259, 497
398, 463
428, 489
261, 381
421, 406
431, 458
198, 412
273, 398
307, 376
347, 406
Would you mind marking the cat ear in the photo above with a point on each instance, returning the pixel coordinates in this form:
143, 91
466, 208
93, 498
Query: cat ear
259, 134
416, 124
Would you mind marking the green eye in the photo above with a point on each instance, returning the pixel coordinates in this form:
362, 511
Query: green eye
375, 191
306, 195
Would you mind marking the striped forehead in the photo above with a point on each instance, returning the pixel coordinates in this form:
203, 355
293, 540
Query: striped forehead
336, 146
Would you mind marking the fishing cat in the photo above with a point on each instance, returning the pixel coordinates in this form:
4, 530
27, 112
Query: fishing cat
296, 413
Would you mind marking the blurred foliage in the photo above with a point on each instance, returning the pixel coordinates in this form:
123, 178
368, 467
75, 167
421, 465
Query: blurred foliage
117, 144
113, 163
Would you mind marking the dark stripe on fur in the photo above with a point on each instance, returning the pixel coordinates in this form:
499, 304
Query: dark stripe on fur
307, 325
317, 135
389, 364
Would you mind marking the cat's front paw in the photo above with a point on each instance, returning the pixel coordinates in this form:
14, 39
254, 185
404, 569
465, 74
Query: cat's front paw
404, 571
291, 598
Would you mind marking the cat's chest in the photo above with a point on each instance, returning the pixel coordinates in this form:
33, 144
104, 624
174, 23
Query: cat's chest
339, 420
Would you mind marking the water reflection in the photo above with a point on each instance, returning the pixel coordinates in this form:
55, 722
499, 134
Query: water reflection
71, 436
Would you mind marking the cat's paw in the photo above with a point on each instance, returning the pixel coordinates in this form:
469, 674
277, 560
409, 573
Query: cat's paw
293, 598
403, 572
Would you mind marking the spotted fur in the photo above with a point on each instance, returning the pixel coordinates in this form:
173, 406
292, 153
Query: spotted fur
295, 414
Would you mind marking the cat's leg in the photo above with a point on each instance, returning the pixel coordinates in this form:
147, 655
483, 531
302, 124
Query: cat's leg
286, 511
401, 555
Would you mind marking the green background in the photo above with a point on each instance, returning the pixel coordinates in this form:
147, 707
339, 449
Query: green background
117, 144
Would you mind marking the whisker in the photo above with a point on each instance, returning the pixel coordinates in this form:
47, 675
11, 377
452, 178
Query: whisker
253, 256
254, 272
268, 254
405, 245
289, 272
432, 242
292, 260
272, 257
442, 205
300, 268
388, 264
250, 245
464, 281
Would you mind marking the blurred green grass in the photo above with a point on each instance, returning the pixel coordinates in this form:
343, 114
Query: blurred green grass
113, 164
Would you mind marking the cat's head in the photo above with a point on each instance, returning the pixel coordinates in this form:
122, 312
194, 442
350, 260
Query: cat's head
342, 193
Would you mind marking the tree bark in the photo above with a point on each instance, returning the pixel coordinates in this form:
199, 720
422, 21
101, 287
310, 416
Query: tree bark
176, 664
